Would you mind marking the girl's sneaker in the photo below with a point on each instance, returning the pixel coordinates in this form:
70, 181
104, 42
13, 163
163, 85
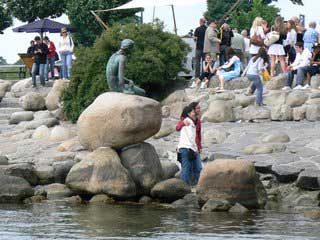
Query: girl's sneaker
193, 85
203, 85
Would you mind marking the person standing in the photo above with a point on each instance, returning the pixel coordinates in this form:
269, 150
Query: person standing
311, 36
51, 58
238, 44
225, 35
40, 60
211, 41
246, 54
199, 38
66, 46
256, 31
30, 50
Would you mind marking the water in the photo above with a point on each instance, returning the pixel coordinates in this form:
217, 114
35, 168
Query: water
58, 220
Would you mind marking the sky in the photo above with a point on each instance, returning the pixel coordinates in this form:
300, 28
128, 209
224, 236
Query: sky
187, 18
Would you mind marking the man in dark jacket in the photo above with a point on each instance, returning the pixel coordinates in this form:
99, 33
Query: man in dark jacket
199, 38
39, 61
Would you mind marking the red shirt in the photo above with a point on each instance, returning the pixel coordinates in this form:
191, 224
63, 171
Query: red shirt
52, 49
198, 131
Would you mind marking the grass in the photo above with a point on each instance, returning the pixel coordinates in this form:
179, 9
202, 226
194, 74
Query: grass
13, 75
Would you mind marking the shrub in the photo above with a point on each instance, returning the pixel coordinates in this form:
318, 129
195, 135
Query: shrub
155, 61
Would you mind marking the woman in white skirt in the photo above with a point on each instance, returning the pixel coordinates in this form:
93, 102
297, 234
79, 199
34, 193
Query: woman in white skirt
276, 50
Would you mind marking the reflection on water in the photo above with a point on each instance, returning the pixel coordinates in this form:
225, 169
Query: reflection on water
57, 220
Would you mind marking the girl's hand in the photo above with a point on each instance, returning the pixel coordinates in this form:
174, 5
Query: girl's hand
186, 122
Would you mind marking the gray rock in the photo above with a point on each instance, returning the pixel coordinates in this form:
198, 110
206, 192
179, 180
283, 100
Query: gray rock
299, 113
216, 206
61, 170
43, 115
165, 111
45, 174
49, 122
177, 96
275, 98
33, 101
313, 101
169, 170
143, 164
23, 170
145, 200
315, 95
263, 166
276, 137
214, 136
313, 113
264, 148
14, 189
219, 111
238, 208
176, 109
57, 191
101, 199
244, 101
167, 127
188, 201
3, 160
170, 190
255, 112
225, 96
276, 82
309, 180
296, 98
285, 173
315, 81
18, 117
281, 113
236, 83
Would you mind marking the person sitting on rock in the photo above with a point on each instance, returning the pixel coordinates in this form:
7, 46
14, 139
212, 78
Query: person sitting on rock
116, 80
208, 72
187, 147
230, 70
303, 56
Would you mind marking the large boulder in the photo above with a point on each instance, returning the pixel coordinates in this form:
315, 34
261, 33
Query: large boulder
18, 117
32, 101
299, 113
313, 113
49, 122
4, 87
282, 113
59, 133
170, 190
231, 180
22, 170
101, 172
167, 127
276, 82
42, 132
275, 98
19, 88
219, 111
144, 166
236, 83
177, 96
14, 189
118, 120
296, 98
214, 136
176, 109
53, 97
255, 113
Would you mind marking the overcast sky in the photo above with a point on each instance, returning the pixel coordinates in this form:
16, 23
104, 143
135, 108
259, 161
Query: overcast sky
187, 18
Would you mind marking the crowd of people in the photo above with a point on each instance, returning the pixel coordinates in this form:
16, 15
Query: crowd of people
45, 54
226, 53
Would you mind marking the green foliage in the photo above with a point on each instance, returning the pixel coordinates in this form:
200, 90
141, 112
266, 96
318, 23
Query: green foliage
30, 10
243, 19
155, 61
86, 24
3, 61
5, 18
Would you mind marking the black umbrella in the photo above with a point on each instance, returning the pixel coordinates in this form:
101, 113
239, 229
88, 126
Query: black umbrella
43, 25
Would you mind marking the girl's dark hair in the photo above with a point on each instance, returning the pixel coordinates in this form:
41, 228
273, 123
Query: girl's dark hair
193, 105
186, 111
230, 53
262, 53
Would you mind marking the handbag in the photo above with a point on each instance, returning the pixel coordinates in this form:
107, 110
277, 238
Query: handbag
271, 38
257, 40
265, 75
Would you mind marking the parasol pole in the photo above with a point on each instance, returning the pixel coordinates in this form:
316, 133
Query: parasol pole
153, 14
174, 20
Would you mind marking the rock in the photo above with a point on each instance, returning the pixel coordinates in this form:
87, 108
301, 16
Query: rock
296, 98
231, 180
42, 115
313, 113
315, 81
3, 160
275, 98
49, 122
22, 170
314, 214
14, 189
282, 113
4, 87
17, 117
170, 190
188, 201
53, 98
238, 208
165, 111
225, 96
214, 136
143, 164
72, 145
169, 170
315, 95
57, 191
293, 197
19, 88
32, 101
176, 109
61, 170
45, 174
313, 101
237, 113
59, 133
285, 173
118, 120
64, 156
59, 114
101, 198
263, 166
145, 200
276, 82
264, 148
167, 127
216, 206
255, 112
299, 113
42, 132
276, 137
236, 83
309, 180
74, 200
34, 199
219, 111
244, 101
101, 172
177, 96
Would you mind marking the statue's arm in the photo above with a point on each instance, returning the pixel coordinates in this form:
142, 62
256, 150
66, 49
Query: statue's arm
122, 63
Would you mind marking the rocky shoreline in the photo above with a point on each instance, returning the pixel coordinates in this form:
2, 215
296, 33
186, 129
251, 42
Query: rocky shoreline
42, 156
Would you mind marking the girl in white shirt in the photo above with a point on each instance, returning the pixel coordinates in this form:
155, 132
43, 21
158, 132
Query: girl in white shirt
257, 30
66, 50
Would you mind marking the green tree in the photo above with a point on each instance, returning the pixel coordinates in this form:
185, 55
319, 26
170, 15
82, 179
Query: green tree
3, 61
30, 10
88, 28
5, 17
243, 19
153, 65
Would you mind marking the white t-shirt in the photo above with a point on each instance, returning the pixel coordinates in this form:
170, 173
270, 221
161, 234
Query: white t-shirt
188, 136
259, 31
246, 44
66, 44
302, 59
254, 68
291, 38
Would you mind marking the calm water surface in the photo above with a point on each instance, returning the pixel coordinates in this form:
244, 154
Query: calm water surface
58, 220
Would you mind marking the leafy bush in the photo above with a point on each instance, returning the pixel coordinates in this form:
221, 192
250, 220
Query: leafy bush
155, 61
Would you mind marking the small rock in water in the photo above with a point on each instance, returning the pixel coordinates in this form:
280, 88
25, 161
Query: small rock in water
238, 208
